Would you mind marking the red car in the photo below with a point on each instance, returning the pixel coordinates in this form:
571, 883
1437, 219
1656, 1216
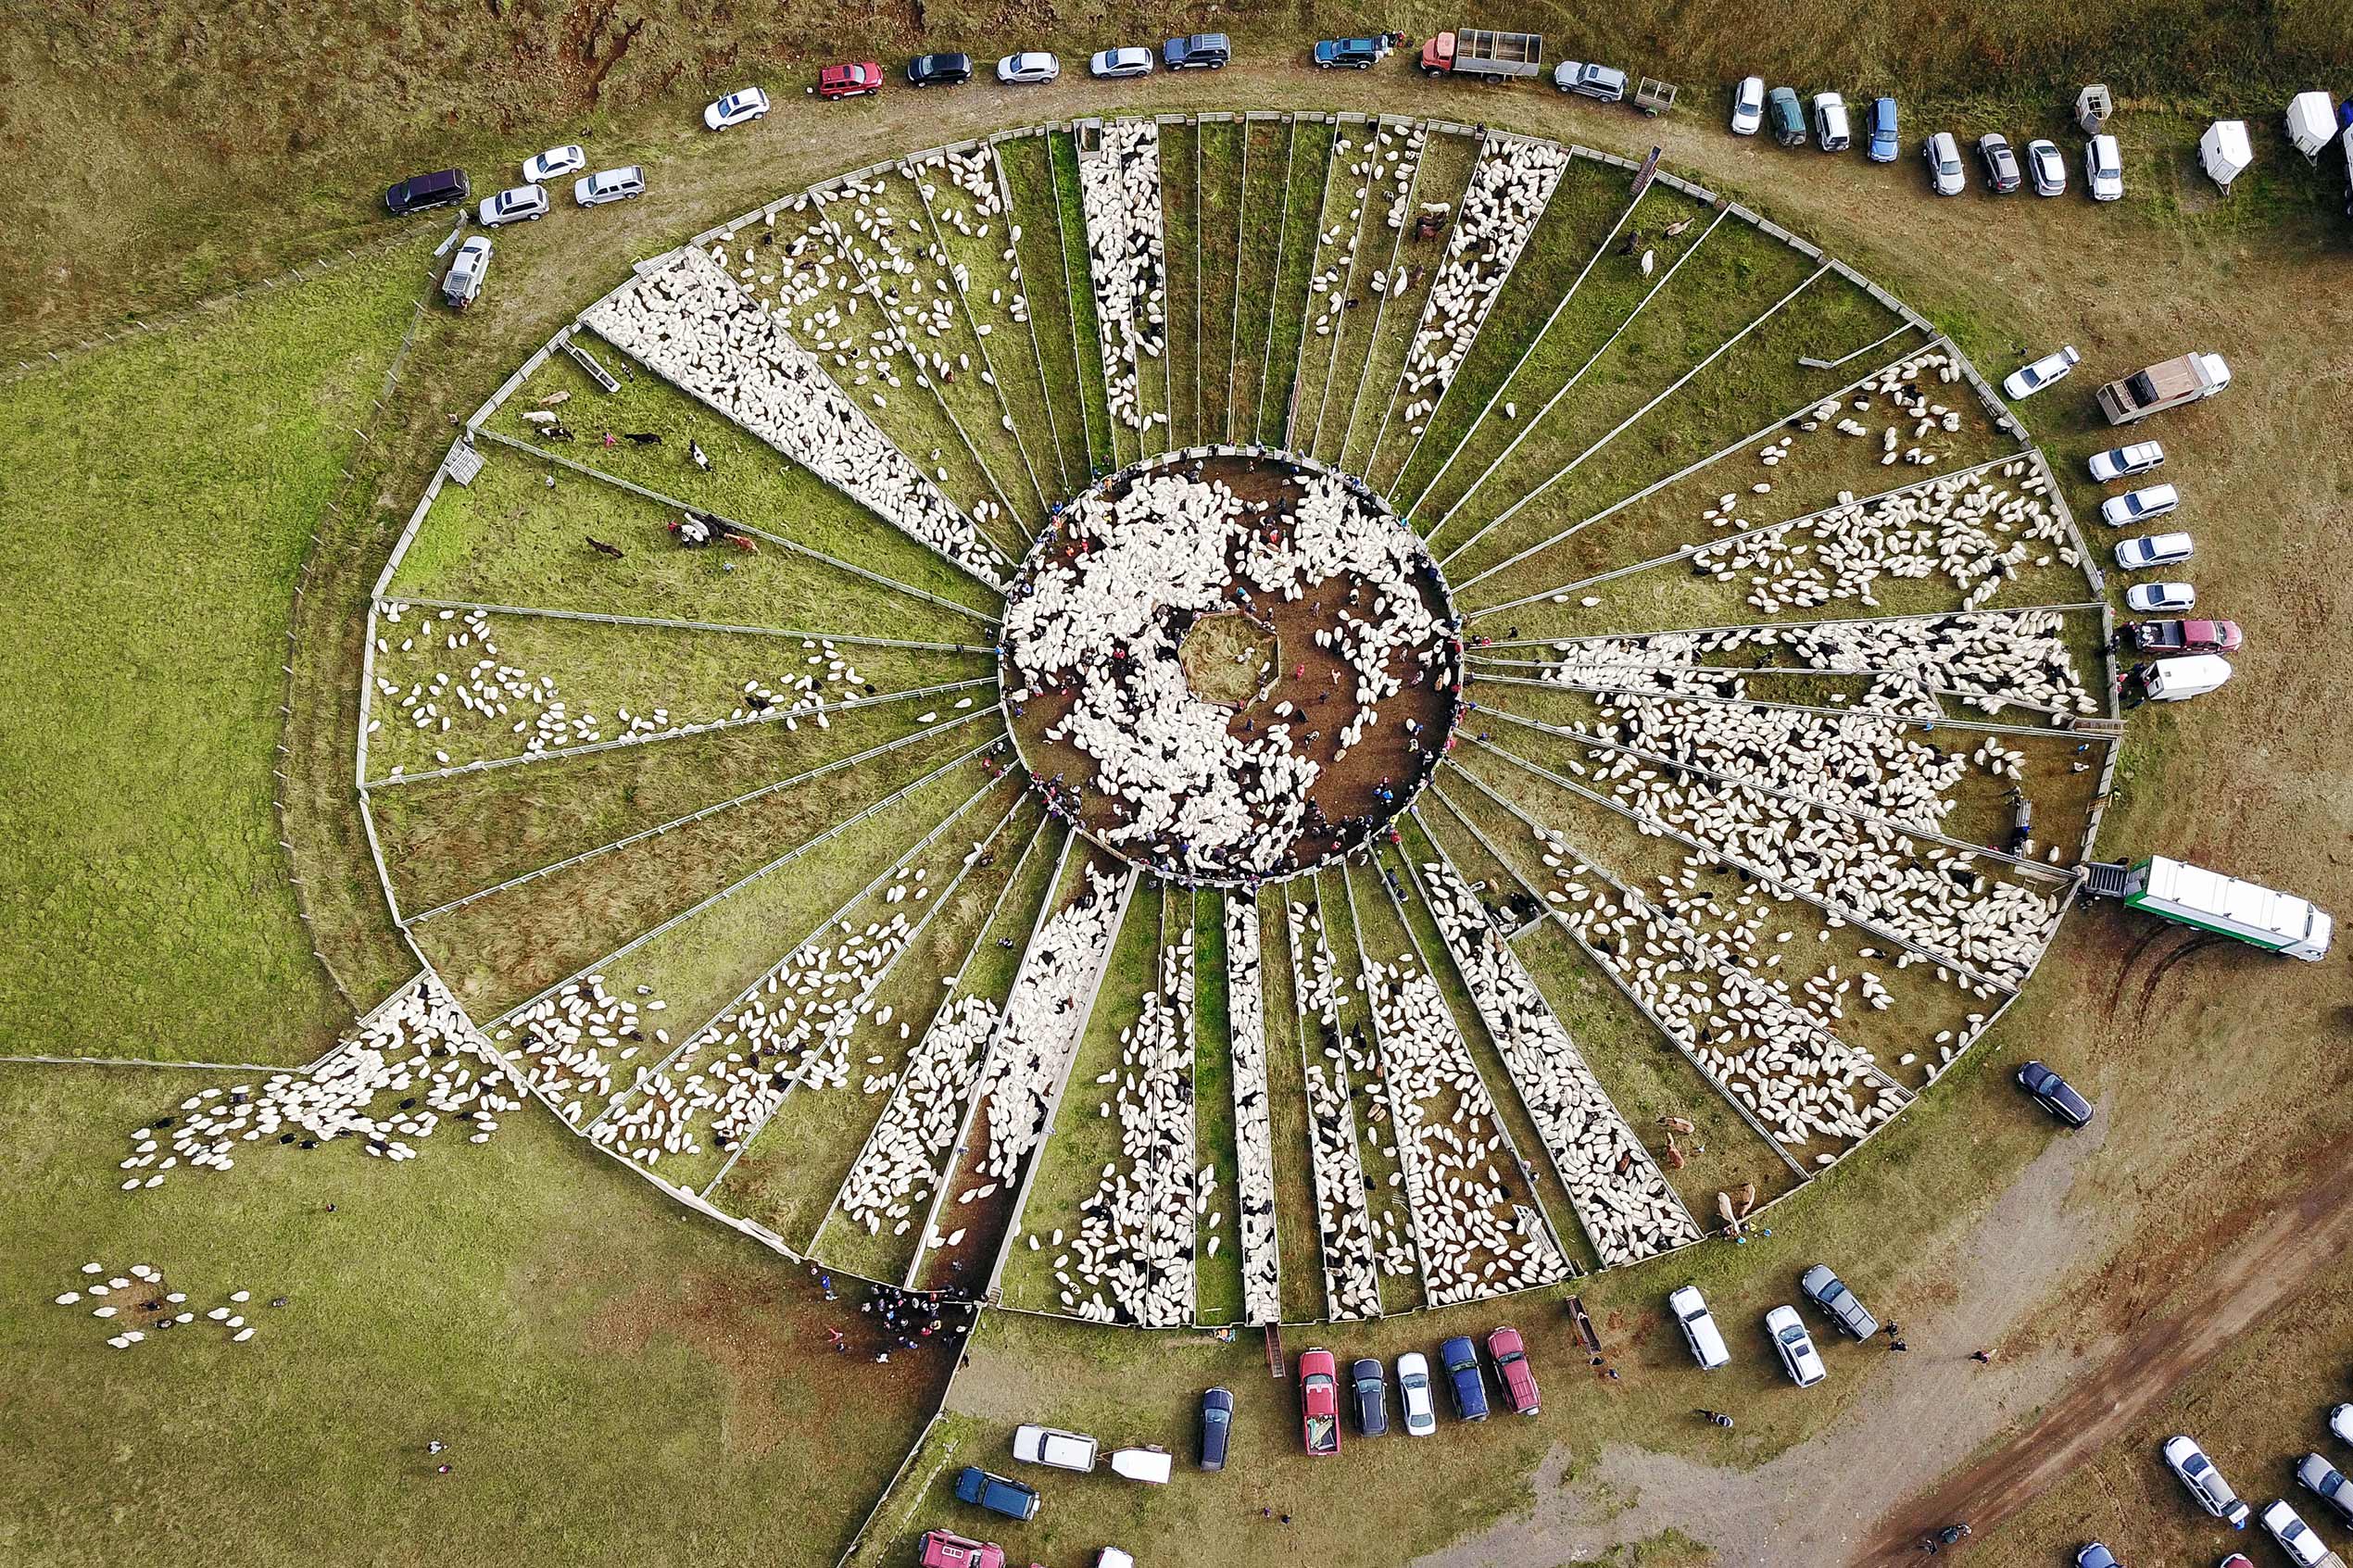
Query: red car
944, 1550
2186, 636
854, 80
1512, 1370
1319, 1400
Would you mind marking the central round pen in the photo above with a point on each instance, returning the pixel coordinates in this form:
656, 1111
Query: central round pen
1230, 665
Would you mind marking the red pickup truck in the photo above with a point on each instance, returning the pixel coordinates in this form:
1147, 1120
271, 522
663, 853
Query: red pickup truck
942, 1549
1512, 1370
1319, 1400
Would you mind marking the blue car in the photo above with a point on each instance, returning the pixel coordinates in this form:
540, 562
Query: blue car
1460, 1358
996, 1494
1878, 124
1356, 53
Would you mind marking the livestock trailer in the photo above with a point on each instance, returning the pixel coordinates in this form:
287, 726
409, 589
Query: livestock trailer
2187, 895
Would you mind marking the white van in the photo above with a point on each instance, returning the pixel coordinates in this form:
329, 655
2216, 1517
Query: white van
1699, 1328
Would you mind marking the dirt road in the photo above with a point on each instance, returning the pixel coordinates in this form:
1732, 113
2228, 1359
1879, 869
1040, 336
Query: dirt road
2278, 1257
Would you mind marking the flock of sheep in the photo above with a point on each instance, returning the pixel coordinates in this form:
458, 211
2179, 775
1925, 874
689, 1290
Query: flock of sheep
1119, 193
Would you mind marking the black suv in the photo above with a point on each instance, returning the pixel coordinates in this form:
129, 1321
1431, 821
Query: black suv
939, 71
419, 192
1200, 51
2057, 1095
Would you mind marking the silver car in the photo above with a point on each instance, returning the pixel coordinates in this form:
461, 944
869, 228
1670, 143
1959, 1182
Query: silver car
524, 204
2327, 1483
1030, 65
2203, 1483
2045, 170
462, 284
1828, 1292
1945, 176
609, 185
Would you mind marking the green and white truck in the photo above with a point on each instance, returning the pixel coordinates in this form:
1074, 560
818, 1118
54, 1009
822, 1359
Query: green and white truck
2187, 895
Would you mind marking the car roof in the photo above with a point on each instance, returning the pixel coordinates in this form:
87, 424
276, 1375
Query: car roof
1414, 1360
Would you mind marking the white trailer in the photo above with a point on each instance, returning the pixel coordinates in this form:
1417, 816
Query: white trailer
2311, 124
2187, 895
2225, 152
2172, 679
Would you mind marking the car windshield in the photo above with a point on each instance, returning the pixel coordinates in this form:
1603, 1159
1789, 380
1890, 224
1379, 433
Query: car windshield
1216, 1417
1319, 1381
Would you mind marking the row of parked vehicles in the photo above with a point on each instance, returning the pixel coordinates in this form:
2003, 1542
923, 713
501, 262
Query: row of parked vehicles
2215, 1496
1025, 67
1319, 1394
527, 203
1824, 122
1792, 1343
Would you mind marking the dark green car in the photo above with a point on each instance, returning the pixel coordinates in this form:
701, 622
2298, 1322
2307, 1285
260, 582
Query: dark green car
1786, 116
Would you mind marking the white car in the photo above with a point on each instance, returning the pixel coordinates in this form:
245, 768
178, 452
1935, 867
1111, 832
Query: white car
2203, 1483
1121, 62
1831, 131
555, 163
1051, 1446
2028, 379
2302, 1544
2161, 598
2152, 549
2104, 168
1415, 1405
1799, 1358
739, 107
524, 204
1945, 176
2341, 1421
2045, 170
1031, 66
462, 284
2145, 504
2122, 462
1748, 106
1699, 1328
609, 185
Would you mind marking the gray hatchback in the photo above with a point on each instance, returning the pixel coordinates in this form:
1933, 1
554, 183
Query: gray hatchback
1827, 1291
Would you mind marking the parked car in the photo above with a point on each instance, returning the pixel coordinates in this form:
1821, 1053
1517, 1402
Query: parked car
2000, 163
554, 164
462, 286
996, 1493
939, 71
2341, 1421
1606, 83
1882, 143
1319, 1400
2327, 1483
2145, 504
1131, 60
445, 187
1513, 1370
1197, 51
1828, 1292
1943, 156
1787, 115
1415, 1405
1053, 1447
609, 185
2153, 549
1028, 68
2300, 1541
1748, 106
1698, 1324
1460, 1358
2161, 598
2092, 1554
1216, 1426
1356, 53
1831, 131
851, 79
524, 204
2045, 170
2236, 1560
2057, 1095
2028, 379
2104, 168
1795, 1347
1368, 1382
739, 107
2122, 462
2185, 636
2203, 1482
942, 1549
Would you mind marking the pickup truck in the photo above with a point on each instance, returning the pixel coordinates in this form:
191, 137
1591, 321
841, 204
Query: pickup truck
2185, 636
1483, 55
996, 1494
1319, 1401
2168, 385
1512, 1370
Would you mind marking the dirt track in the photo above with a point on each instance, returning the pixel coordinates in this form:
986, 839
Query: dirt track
2277, 1259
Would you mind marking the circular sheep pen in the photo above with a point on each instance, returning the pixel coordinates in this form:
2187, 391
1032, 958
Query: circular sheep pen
1667, 703
1343, 701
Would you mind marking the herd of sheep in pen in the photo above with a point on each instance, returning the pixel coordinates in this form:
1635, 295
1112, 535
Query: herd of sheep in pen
1787, 844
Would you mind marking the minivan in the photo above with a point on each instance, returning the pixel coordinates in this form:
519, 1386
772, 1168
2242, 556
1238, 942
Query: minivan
1787, 117
1699, 1328
442, 188
1829, 123
1878, 126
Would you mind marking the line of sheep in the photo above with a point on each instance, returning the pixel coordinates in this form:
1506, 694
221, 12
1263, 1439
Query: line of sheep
1120, 195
